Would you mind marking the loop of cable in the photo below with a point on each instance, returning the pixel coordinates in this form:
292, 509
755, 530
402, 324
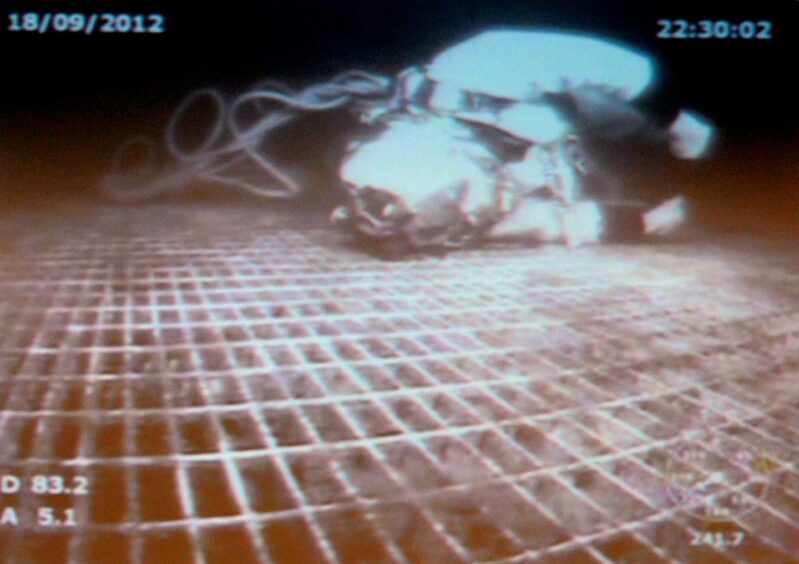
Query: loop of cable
230, 141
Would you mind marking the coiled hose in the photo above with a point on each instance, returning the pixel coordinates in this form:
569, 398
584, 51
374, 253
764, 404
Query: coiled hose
229, 142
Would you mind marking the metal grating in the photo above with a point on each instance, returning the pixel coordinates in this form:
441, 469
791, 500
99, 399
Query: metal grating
235, 385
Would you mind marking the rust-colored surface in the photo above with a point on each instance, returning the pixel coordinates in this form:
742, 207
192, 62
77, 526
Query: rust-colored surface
234, 385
